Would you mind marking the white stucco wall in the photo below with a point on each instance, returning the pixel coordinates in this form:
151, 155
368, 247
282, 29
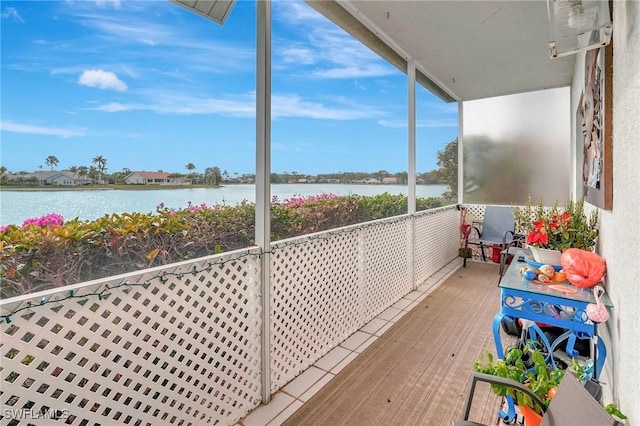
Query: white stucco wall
619, 241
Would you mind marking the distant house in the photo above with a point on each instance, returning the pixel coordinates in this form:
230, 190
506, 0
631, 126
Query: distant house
53, 178
390, 180
66, 178
150, 178
370, 180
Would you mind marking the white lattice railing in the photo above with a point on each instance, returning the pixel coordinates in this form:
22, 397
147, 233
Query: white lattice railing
437, 240
181, 344
178, 344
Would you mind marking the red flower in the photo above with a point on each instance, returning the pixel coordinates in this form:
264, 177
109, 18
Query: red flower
538, 236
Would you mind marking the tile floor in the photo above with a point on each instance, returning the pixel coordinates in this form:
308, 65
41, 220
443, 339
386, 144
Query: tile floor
291, 397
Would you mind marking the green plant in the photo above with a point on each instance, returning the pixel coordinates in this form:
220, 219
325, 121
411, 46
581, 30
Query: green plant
555, 229
535, 373
527, 365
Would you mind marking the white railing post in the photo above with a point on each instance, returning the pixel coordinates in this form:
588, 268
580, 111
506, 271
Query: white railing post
263, 181
411, 168
460, 153
411, 198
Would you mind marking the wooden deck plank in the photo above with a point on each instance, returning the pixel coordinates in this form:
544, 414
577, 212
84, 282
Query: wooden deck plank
418, 372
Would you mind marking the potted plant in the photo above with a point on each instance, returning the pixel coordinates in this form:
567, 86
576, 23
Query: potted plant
556, 230
526, 365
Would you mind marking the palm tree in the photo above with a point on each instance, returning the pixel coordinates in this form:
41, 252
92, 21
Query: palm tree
101, 164
191, 167
82, 172
52, 161
94, 173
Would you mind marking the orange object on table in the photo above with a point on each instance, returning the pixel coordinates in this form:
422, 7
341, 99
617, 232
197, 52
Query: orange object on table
583, 268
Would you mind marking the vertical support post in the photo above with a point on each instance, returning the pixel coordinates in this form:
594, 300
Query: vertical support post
411, 169
460, 154
263, 181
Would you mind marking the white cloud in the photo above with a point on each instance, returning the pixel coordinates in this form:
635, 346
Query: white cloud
294, 13
243, 105
170, 102
102, 79
123, 30
435, 123
333, 51
105, 3
294, 106
297, 55
113, 107
12, 12
37, 130
370, 70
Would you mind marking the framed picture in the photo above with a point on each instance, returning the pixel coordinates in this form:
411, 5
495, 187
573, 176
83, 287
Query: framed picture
594, 116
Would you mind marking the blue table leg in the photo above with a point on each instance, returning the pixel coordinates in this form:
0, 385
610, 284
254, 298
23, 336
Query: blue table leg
571, 350
601, 355
535, 333
509, 415
497, 319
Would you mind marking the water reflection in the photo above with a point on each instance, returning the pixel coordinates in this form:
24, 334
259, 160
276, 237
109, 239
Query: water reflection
16, 206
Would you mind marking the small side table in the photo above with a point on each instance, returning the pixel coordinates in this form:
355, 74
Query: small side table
539, 303
520, 298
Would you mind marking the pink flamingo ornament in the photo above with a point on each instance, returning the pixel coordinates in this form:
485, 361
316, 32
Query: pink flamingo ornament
597, 312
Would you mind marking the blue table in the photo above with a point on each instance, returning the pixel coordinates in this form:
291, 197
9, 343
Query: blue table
520, 298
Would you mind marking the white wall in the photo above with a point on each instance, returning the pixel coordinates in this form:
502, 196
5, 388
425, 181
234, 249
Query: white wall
619, 241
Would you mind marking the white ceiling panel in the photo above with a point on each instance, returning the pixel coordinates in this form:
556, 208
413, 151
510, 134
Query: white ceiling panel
471, 49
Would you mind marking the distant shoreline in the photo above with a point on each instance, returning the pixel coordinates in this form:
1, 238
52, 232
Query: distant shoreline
102, 188
128, 187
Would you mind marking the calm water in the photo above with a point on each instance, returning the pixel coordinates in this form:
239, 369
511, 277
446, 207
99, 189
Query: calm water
16, 206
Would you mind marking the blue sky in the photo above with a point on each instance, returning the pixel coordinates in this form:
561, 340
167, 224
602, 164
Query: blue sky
152, 86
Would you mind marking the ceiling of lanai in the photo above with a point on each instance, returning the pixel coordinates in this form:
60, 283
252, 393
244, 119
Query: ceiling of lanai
469, 49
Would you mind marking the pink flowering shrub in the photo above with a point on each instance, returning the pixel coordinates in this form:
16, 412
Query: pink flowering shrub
48, 252
51, 219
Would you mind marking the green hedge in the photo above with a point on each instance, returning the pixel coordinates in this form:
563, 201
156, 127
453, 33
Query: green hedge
47, 252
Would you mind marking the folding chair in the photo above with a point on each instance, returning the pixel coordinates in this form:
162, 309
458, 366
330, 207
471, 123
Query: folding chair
573, 404
497, 227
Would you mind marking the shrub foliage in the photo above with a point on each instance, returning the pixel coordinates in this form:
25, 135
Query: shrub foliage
47, 252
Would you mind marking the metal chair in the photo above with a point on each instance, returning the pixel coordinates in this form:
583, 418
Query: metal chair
497, 227
573, 403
